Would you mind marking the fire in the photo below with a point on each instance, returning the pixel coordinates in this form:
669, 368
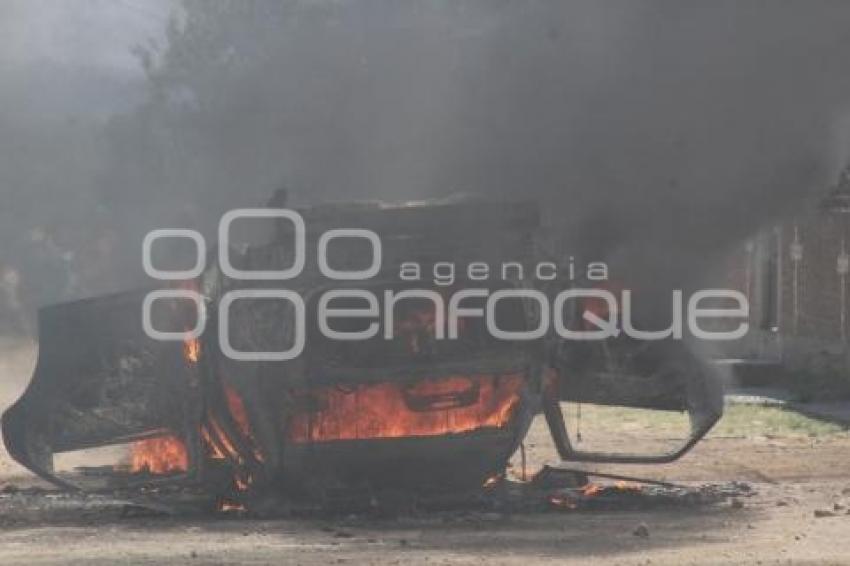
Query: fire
582, 497
161, 455
594, 489
224, 445
432, 407
192, 350
214, 451
165, 454
237, 410
228, 506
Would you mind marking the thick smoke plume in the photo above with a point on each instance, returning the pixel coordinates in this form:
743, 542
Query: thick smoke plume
654, 134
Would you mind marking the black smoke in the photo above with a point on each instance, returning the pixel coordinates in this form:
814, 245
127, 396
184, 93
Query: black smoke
654, 134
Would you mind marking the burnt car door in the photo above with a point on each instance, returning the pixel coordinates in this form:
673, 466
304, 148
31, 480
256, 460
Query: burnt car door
662, 375
100, 380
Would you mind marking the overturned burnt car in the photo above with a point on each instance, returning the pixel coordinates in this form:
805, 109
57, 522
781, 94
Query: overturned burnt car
409, 412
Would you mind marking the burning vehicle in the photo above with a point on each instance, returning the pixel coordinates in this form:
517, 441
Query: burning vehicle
411, 412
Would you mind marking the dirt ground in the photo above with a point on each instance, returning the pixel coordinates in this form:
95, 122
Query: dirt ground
797, 467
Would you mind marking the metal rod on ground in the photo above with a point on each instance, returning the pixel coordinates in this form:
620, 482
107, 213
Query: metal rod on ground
621, 478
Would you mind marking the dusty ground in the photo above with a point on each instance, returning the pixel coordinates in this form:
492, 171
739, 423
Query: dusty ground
797, 466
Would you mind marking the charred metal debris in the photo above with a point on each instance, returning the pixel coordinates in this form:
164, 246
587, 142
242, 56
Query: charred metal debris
412, 414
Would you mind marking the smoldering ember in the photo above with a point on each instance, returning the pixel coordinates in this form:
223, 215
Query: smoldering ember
392, 281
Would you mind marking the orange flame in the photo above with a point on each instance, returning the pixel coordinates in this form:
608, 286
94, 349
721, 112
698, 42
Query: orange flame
389, 410
165, 454
161, 455
192, 350
237, 410
225, 505
213, 450
224, 443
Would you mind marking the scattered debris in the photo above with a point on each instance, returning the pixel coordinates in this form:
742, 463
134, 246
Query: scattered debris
558, 493
550, 477
630, 496
641, 531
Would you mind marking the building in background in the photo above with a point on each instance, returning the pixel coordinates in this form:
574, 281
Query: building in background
795, 275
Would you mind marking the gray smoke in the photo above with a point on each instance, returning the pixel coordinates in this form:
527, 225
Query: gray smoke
654, 134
